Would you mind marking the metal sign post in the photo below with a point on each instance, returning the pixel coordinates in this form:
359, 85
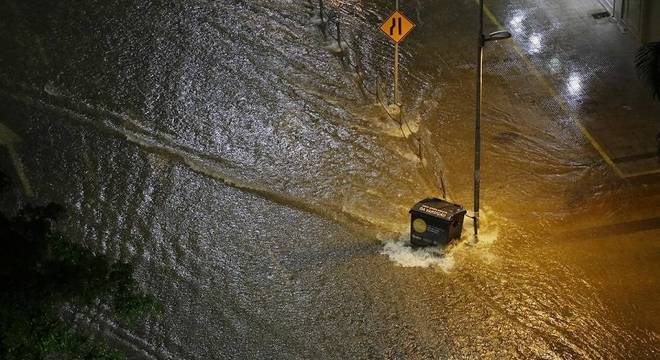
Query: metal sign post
397, 27
397, 100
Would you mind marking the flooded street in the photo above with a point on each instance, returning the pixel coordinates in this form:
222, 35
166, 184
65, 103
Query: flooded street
262, 190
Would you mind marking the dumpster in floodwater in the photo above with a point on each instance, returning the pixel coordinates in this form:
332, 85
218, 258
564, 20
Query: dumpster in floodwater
435, 222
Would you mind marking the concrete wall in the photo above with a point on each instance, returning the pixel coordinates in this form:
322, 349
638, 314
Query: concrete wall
652, 21
633, 15
608, 4
641, 17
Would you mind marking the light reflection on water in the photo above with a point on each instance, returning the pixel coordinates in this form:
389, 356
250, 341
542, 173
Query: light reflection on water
574, 84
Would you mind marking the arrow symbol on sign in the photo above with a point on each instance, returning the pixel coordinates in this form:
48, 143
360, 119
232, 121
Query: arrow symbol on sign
397, 26
396, 23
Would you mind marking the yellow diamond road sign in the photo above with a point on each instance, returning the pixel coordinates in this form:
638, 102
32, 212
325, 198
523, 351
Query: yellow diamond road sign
397, 27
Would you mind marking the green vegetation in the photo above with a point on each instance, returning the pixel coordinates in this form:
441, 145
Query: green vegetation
40, 271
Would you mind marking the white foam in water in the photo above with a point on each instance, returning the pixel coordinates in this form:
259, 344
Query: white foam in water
400, 251
488, 229
334, 46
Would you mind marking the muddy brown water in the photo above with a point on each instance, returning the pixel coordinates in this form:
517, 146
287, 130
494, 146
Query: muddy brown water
262, 191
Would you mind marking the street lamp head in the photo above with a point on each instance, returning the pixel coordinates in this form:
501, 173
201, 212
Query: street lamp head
498, 35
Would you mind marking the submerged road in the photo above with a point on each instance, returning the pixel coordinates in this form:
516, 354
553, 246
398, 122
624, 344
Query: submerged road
261, 189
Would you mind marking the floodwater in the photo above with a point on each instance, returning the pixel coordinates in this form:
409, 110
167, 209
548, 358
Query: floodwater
261, 189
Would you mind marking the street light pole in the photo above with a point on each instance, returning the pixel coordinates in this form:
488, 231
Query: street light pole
482, 39
477, 123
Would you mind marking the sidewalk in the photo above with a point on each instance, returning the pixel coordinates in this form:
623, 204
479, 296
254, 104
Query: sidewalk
588, 63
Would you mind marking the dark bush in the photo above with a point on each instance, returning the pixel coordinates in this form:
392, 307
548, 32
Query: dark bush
40, 271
